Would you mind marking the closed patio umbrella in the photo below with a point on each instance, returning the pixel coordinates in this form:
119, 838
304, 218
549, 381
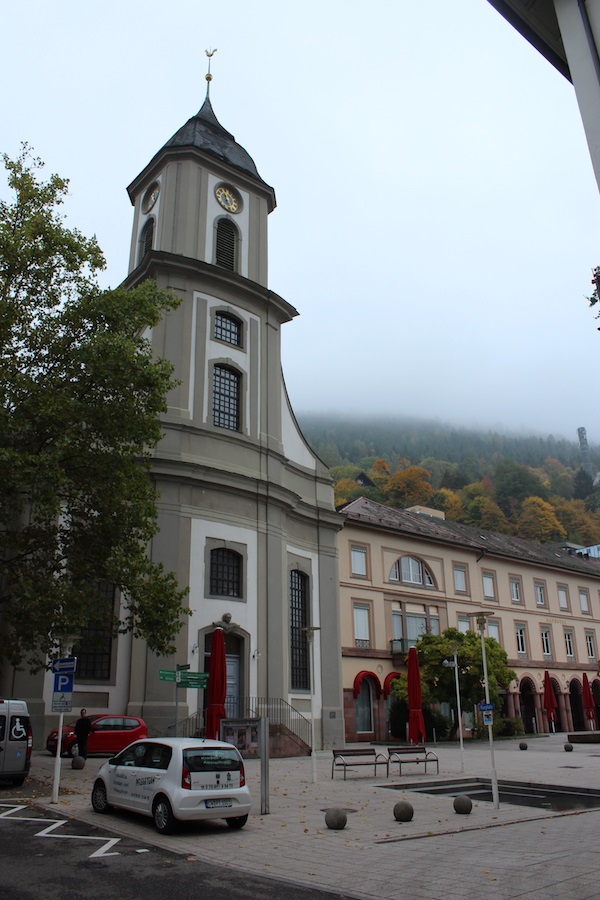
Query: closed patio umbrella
588, 700
416, 725
549, 702
217, 685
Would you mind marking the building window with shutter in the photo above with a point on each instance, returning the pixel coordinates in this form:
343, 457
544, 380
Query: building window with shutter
362, 636
226, 247
226, 398
146, 238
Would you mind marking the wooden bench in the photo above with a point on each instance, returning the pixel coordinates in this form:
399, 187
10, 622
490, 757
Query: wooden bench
345, 759
413, 755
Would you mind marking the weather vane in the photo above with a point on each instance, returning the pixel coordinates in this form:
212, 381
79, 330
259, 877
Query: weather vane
210, 54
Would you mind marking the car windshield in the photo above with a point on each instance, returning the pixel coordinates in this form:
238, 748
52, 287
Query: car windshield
212, 759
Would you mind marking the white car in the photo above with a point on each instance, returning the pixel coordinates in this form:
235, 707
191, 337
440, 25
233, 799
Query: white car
173, 779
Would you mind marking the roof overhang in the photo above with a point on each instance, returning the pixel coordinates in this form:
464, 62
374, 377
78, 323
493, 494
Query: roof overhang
536, 20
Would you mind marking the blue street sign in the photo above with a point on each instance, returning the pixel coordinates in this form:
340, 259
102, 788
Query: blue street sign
63, 683
69, 664
486, 707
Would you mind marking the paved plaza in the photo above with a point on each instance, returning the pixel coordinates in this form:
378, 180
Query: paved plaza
511, 852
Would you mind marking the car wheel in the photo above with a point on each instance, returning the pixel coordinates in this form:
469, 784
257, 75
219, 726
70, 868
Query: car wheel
237, 821
99, 802
73, 749
164, 820
19, 781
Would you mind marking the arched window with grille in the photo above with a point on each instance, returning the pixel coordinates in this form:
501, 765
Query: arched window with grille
227, 384
299, 657
228, 329
146, 238
411, 571
226, 247
225, 573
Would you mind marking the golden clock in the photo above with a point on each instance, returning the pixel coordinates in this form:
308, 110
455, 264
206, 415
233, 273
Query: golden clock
229, 198
150, 197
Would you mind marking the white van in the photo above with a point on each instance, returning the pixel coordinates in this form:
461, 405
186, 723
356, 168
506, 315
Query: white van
16, 740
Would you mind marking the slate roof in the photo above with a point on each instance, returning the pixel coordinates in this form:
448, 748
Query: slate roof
489, 543
205, 132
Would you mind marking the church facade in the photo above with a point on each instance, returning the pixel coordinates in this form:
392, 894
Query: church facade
246, 510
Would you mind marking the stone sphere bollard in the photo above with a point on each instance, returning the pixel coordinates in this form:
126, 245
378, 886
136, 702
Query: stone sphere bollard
336, 819
403, 811
523, 745
463, 805
78, 762
569, 748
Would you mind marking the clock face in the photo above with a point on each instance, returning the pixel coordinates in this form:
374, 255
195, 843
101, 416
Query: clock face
229, 198
150, 197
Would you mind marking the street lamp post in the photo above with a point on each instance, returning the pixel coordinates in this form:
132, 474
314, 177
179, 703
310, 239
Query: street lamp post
454, 665
481, 620
310, 635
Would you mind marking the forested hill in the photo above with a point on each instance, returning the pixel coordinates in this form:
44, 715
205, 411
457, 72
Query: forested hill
528, 486
362, 440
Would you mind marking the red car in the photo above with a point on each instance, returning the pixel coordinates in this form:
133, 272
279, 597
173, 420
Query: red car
109, 735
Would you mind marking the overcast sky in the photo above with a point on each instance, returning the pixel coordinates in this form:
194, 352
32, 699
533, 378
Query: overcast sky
437, 216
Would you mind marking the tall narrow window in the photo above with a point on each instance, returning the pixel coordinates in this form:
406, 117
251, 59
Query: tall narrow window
228, 329
569, 645
226, 245
590, 643
489, 588
584, 601
515, 590
546, 644
359, 561
521, 635
493, 629
146, 238
299, 659
226, 398
362, 636
563, 596
225, 573
540, 593
460, 579
463, 624
94, 649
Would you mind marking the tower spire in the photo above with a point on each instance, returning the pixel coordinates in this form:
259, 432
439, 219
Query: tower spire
208, 76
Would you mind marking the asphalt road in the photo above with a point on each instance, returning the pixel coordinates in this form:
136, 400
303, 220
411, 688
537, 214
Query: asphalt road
52, 858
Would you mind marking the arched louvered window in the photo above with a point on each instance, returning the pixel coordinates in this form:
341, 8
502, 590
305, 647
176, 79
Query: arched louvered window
226, 398
146, 238
227, 244
299, 658
225, 573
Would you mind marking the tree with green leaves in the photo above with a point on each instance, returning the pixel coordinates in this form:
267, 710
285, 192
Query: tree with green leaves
80, 414
438, 680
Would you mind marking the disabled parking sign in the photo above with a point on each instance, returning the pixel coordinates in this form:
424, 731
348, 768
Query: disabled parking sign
62, 697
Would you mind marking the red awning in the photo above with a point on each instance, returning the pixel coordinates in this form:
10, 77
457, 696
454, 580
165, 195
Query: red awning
387, 684
359, 680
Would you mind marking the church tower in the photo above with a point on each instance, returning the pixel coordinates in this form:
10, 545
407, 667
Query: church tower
246, 510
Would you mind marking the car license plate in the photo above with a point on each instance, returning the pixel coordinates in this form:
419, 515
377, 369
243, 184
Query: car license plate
218, 804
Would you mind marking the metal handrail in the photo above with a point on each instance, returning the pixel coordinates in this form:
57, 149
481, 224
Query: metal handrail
276, 709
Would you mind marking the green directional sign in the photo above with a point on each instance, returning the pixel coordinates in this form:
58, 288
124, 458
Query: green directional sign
185, 679
194, 679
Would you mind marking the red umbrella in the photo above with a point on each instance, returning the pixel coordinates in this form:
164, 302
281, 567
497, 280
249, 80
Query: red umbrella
588, 700
549, 702
416, 725
217, 685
